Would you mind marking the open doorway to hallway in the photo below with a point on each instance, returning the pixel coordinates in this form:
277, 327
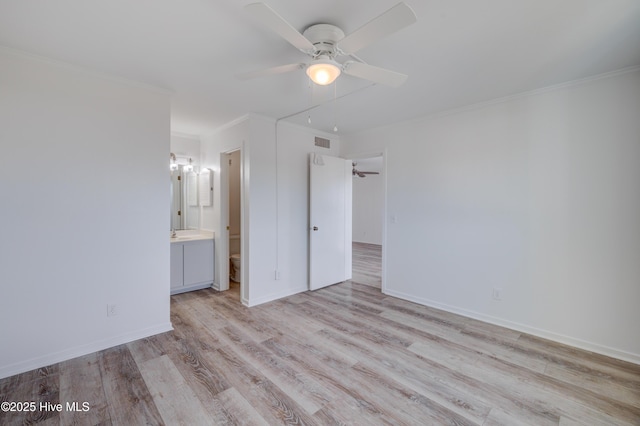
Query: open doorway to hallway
368, 219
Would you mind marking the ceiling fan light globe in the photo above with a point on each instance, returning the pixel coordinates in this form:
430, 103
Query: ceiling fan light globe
323, 73
321, 76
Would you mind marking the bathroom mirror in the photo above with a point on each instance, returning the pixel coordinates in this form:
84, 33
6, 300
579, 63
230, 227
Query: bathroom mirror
185, 210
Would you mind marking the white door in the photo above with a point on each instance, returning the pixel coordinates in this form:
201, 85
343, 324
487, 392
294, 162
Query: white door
330, 184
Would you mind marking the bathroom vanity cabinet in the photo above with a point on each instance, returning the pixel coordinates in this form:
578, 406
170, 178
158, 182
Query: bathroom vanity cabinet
191, 264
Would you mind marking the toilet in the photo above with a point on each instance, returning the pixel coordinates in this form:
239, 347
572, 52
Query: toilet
235, 267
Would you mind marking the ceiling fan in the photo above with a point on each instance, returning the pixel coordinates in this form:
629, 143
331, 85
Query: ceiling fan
356, 172
323, 43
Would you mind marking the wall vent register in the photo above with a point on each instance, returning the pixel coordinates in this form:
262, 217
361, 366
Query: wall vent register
322, 142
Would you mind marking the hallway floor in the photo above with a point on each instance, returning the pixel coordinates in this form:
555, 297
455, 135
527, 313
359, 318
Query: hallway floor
367, 264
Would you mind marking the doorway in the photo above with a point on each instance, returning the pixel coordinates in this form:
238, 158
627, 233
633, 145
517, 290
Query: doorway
368, 219
232, 250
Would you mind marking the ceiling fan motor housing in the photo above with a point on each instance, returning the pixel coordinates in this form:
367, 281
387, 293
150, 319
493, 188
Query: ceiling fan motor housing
324, 38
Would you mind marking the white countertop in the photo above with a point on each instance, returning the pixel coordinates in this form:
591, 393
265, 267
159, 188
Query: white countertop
192, 235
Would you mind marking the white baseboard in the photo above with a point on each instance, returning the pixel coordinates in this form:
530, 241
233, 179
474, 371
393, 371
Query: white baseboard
53, 358
273, 296
545, 334
184, 289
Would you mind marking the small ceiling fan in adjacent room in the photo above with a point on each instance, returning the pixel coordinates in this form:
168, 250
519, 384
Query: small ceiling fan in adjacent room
356, 172
326, 44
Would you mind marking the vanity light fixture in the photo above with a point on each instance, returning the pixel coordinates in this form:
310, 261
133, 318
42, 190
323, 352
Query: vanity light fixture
173, 165
188, 167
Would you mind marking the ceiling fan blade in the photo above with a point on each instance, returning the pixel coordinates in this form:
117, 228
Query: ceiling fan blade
270, 71
355, 172
375, 74
276, 23
394, 19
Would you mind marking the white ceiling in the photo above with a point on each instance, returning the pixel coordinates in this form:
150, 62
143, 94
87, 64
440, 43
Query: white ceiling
459, 52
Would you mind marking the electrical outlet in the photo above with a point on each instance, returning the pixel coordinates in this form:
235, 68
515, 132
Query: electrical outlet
497, 293
277, 274
112, 310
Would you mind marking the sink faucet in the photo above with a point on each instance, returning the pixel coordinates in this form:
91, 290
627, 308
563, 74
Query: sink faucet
173, 233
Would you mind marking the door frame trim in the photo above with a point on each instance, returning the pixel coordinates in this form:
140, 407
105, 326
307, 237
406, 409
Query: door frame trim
383, 154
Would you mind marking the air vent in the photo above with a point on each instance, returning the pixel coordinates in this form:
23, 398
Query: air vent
323, 143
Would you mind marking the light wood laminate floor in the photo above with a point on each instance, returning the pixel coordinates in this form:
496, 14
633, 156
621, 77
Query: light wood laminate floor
367, 265
346, 354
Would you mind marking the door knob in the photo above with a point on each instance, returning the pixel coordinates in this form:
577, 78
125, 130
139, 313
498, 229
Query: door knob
315, 228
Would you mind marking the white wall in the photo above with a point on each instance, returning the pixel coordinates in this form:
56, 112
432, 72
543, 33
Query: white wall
368, 209
274, 235
84, 187
538, 195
